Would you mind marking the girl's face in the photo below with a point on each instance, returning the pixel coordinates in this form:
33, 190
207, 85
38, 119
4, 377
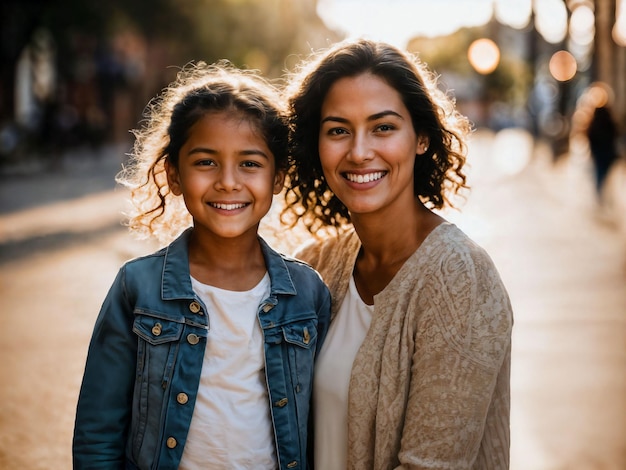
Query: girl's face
367, 145
226, 175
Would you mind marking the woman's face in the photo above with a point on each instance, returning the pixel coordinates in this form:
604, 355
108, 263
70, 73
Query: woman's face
367, 145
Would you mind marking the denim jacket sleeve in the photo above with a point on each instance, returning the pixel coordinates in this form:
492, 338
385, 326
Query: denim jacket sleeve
105, 399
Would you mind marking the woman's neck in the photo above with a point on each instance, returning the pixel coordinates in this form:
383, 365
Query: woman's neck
386, 244
388, 237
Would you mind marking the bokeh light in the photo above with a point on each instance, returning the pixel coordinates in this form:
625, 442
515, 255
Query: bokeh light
562, 66
514, 14
619, 30
551, 20
582, 25
484, 55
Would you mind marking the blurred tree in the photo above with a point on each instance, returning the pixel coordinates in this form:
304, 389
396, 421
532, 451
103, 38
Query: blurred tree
112, 56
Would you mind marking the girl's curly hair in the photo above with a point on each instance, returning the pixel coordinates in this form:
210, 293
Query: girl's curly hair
198, 89
438, 174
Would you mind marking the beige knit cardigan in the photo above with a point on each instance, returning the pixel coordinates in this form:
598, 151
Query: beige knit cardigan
430, 384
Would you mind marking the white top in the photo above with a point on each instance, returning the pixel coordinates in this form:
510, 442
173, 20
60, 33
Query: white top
332, 378
231, 426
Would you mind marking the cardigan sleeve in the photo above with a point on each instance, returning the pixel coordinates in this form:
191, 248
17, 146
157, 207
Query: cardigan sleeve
462, 349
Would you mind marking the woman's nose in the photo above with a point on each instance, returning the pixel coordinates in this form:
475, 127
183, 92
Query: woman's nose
360, 149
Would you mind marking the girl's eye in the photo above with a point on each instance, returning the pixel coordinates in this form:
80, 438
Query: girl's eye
250, 164
205, 163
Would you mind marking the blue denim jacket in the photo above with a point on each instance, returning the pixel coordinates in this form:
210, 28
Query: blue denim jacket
145, 357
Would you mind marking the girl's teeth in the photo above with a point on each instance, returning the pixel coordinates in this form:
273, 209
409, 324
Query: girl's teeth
228, 207
365, 178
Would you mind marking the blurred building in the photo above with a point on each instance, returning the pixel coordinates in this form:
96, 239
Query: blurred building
609, 63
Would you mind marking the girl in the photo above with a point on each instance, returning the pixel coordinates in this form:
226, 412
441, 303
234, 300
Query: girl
415, 369
202, 354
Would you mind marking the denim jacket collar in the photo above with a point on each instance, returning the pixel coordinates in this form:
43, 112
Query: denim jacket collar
176, 280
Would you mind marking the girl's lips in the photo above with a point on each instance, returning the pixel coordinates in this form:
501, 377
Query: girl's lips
228, 206
361, 178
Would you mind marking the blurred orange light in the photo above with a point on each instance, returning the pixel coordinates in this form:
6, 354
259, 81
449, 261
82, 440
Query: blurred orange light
484, 55
563, 66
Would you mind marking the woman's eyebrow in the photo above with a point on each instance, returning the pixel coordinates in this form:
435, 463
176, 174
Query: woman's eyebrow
383, 114
373, 117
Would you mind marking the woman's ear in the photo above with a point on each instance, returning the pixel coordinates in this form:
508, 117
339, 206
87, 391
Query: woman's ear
173, 178
422, 144
279, 181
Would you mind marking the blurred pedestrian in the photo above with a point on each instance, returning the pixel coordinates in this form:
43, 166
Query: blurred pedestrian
602, 134
202, 354
415, 370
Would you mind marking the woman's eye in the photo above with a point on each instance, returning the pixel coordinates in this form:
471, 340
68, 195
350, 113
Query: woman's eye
385, 127
337, 131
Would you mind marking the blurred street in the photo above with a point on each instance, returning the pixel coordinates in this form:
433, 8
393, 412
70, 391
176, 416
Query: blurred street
562, 260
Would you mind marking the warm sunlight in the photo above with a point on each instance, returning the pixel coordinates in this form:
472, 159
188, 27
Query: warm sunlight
396, 21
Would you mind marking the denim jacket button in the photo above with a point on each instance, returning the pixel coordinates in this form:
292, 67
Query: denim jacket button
156, 329
292, 464
267, 307
195, 307
193, 338
182, 398
282, 402
171, 442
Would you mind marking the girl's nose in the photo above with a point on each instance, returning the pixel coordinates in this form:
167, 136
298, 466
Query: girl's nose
228, 180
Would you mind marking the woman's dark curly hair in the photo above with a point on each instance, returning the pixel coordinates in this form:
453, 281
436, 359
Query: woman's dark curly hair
199, 89
438, 173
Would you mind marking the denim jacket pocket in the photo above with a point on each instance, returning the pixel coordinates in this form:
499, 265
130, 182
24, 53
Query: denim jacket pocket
156, 330
302, 333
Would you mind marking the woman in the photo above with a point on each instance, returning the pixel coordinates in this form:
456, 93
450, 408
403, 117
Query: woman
415, 369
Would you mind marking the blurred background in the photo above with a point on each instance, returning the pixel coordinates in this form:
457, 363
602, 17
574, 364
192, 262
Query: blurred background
547, 203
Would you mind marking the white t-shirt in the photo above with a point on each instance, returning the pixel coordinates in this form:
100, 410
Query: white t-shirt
332, 379
231, 426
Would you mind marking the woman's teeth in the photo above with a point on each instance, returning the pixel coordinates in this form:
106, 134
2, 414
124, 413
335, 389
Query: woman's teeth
364, 178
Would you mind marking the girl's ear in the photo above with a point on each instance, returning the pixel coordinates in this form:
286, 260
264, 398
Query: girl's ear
422, 144
279, 181
173, 178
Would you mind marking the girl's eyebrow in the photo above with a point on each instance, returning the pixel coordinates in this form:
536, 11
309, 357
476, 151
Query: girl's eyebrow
211, 151
373, 117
